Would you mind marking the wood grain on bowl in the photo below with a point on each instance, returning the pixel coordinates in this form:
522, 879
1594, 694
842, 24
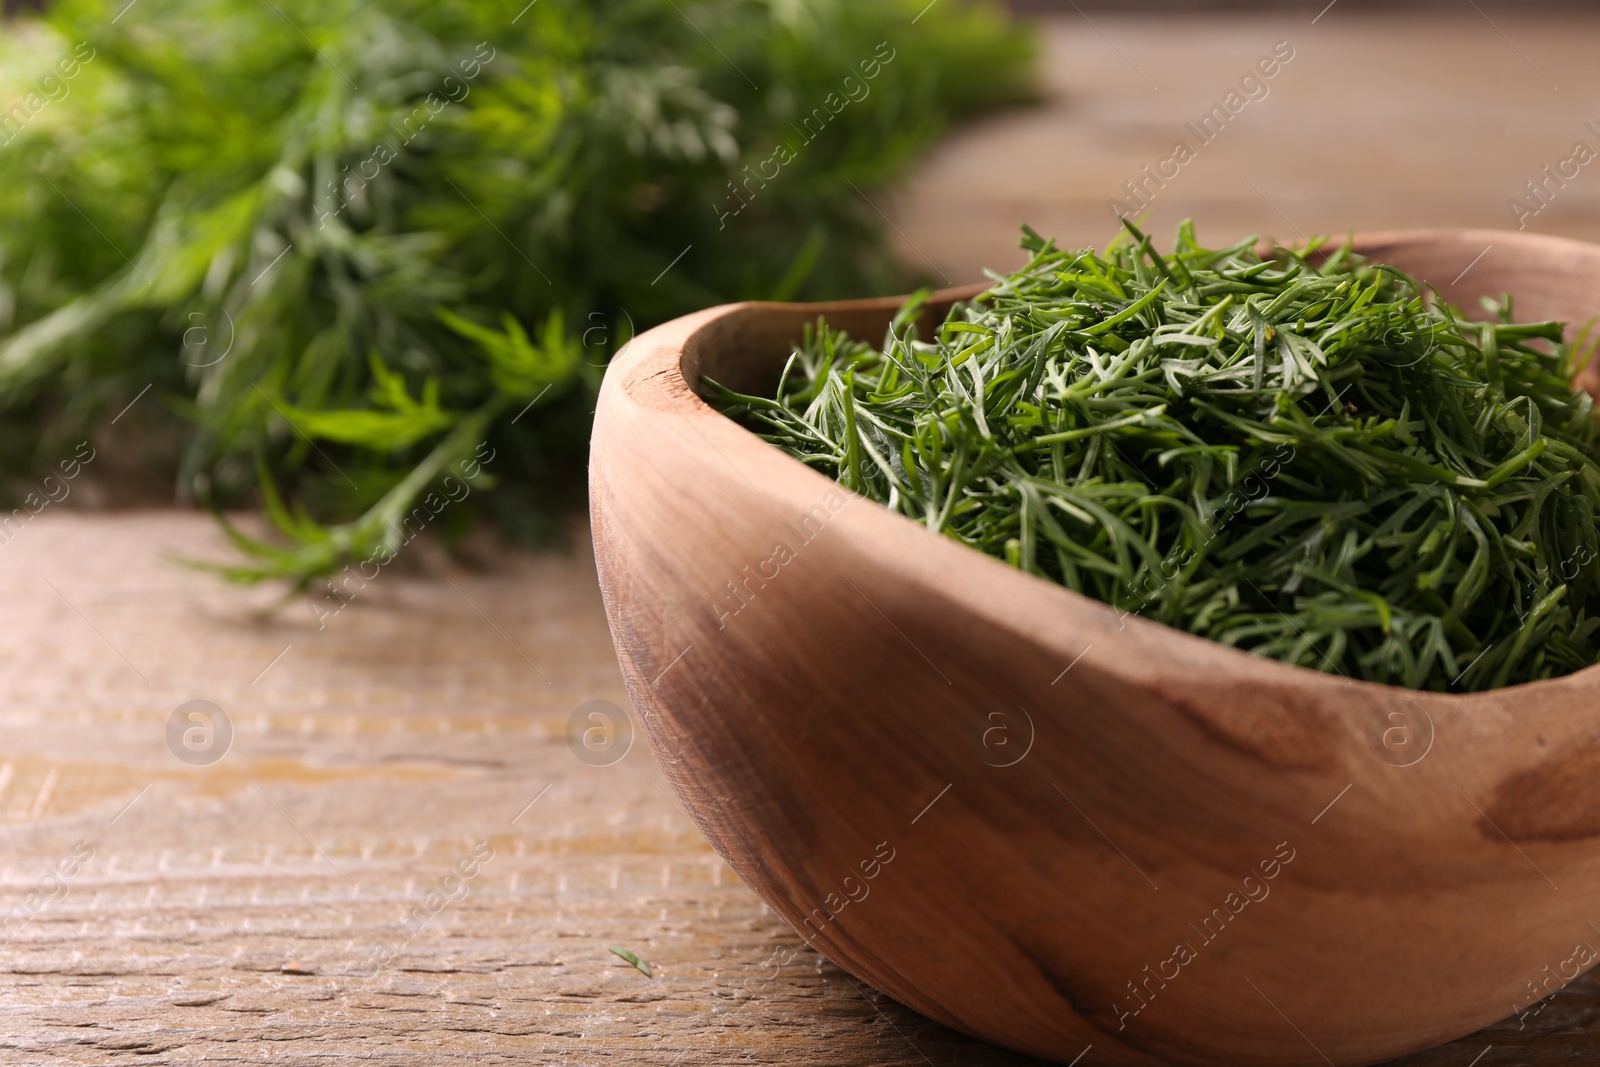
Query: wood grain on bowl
1053, 826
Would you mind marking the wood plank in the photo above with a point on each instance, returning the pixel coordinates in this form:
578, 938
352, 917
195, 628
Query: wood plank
233, 912
239, 910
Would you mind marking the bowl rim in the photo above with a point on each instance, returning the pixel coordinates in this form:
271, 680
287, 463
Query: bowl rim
671, 348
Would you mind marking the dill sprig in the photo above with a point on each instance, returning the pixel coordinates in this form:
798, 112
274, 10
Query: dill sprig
315, 253
1305, 455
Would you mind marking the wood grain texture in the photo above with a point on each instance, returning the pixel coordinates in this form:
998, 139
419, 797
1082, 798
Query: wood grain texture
397, 735
231, 913
1106, 835
206, 928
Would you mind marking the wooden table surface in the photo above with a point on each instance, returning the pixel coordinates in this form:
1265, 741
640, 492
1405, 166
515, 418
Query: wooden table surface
274, 904
239, 910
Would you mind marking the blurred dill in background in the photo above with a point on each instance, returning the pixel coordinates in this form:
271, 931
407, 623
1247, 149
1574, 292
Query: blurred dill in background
346, 244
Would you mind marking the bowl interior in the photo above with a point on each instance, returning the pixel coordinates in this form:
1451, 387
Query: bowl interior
746, 353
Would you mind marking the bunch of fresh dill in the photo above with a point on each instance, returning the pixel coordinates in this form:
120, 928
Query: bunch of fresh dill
327, 250
1304, 455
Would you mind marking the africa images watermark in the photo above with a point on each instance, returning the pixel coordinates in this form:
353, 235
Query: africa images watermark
52, 490
52, 888
741, 592
1542, 190
453, 886
1233, 502
1583, 957
352, 187
1252, 87
855, 90
452, 490
51, 88
1252, 889
854, 889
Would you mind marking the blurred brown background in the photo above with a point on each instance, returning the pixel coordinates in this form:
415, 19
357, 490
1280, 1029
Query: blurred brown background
1412, 115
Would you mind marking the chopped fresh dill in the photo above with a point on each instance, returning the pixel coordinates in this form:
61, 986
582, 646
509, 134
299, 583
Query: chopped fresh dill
1307, 456
644, 968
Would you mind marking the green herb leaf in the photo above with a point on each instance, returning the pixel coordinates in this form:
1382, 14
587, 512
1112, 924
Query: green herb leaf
644, 968
230, 200
1303, 455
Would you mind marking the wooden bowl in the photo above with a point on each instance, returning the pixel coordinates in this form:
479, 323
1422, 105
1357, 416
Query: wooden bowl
1074, 833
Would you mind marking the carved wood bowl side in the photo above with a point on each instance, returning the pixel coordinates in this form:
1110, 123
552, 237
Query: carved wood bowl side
1055, 828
